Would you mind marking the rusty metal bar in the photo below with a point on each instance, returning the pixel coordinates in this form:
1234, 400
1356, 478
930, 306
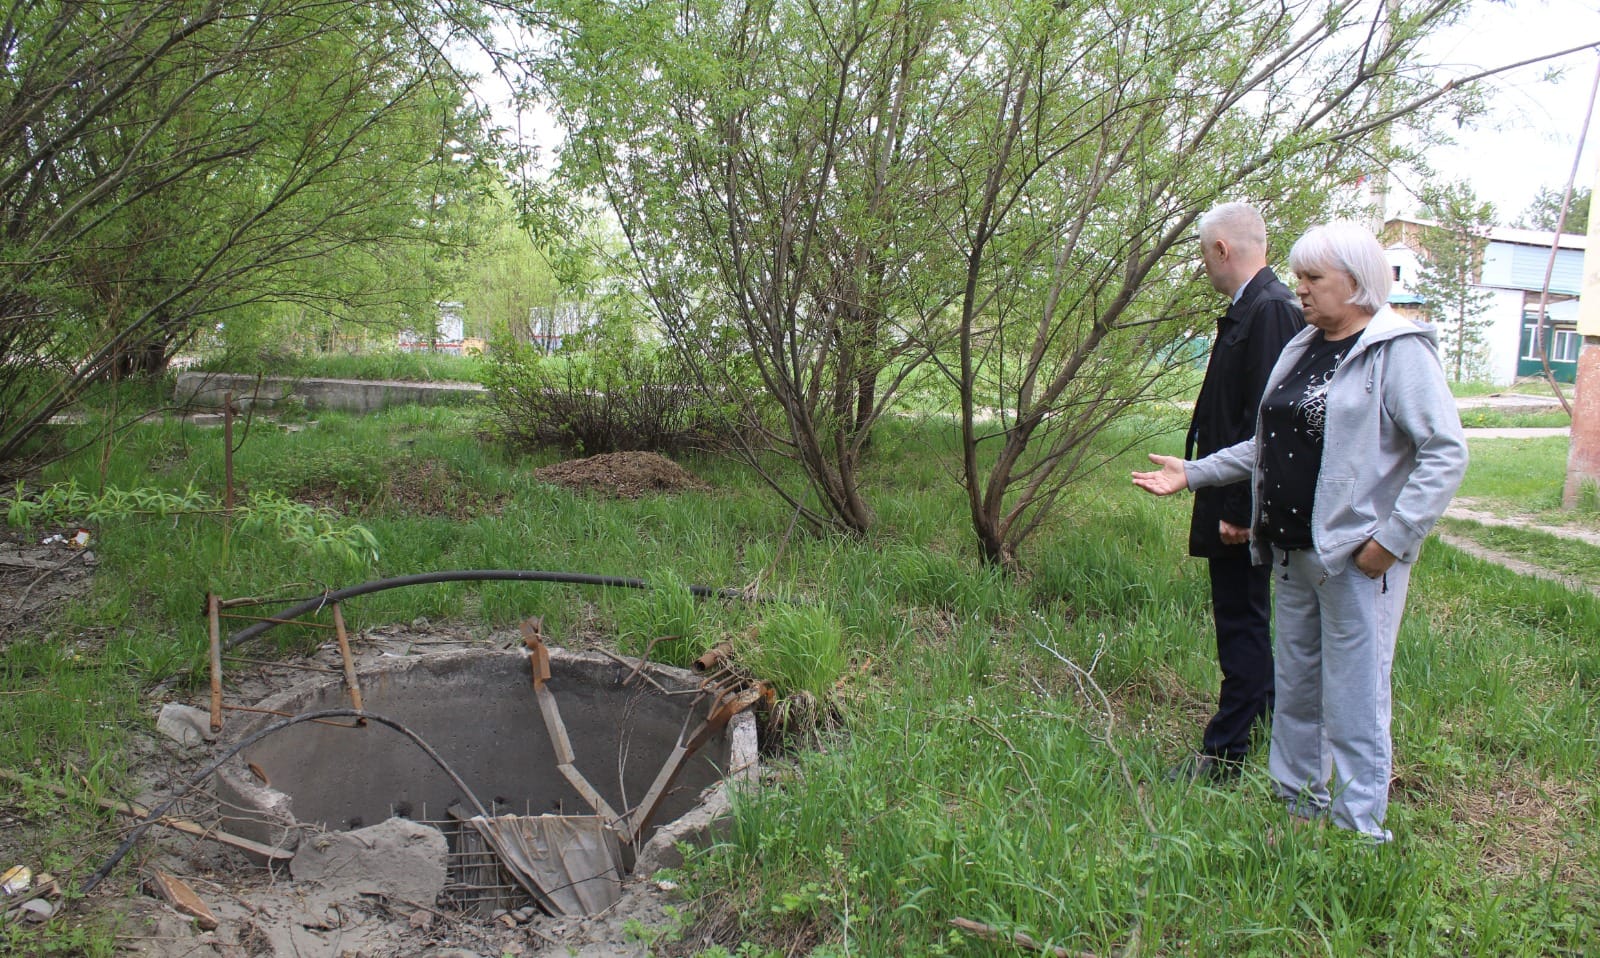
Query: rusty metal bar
714, 658
555, 727
350, 682
227, 454
216, 661
723, 709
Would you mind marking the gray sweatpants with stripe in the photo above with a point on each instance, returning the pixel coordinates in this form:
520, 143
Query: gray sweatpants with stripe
1331, 750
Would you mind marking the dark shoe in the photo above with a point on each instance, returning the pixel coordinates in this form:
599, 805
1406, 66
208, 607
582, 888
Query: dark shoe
1206, 769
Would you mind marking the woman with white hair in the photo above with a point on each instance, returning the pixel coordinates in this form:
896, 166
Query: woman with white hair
1357, 452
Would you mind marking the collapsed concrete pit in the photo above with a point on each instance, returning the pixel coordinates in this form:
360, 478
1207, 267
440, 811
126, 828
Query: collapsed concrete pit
481, 713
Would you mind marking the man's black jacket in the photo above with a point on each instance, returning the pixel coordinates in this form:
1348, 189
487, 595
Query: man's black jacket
1249, 338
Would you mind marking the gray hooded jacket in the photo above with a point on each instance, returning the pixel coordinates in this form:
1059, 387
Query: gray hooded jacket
1393, 450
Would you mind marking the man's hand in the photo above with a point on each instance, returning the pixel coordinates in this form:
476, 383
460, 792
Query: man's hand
1231, 534
1169, 479
1374, 560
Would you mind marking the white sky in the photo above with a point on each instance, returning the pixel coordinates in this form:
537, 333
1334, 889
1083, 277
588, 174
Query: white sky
1530, 137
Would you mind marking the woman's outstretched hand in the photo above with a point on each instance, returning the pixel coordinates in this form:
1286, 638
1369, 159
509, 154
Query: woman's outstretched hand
1168, 479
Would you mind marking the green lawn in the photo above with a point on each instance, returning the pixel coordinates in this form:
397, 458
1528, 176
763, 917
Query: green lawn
1003, 739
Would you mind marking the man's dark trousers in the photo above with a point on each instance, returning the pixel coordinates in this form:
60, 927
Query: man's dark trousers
1241, 602
1249, 338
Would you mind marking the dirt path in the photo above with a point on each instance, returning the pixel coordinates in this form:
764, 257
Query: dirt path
1517, 565
1469, 510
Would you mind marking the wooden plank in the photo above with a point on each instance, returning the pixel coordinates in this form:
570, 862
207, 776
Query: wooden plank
177, 893
576, 780
214, 626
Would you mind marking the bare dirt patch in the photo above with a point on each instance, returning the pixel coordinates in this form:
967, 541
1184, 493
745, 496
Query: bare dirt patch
1477, 550
1526, 826
622, 475
1474, 511
40, 571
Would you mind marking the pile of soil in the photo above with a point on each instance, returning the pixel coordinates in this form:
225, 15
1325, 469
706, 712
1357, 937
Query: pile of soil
622, 475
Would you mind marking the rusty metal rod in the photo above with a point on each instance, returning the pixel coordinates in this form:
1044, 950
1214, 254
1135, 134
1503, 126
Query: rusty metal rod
350, 682
215, 628
227, 454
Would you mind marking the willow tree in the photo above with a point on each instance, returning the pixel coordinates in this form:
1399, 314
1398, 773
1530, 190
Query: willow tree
1106, 130
765, 161
169, 164
1000, 190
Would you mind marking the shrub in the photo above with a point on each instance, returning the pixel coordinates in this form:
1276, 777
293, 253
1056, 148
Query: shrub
610, 393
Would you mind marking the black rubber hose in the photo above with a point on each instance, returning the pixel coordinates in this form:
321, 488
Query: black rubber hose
465, 575
160, 810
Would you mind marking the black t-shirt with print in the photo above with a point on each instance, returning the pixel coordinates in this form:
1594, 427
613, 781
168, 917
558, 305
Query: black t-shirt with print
1292, 417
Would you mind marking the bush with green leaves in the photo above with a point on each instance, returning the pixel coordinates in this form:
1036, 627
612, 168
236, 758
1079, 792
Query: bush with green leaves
607, 392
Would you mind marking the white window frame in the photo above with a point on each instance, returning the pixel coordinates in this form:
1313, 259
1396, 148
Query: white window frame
1565, 345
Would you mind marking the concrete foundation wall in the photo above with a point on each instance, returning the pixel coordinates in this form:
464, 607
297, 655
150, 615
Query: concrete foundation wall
345, 395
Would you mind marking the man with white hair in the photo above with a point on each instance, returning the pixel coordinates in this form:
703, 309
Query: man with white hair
1263, 316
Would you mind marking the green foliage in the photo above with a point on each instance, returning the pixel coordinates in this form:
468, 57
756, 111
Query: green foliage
1003, 192
59, 937
266, 513
532, 283
192, 176
608, 392
1517, 476
1494, 419
384, 364
318, 530
663, 623
797, 648
1545, 209
1564, 557
65, 501
1005, 742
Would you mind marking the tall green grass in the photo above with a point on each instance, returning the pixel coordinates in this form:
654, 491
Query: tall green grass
1004, 736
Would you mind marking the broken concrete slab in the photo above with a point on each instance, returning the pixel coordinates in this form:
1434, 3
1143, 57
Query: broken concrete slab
185, 724
399, 859
699, 826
